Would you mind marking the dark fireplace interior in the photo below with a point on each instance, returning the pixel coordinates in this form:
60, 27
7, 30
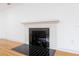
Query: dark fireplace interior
39, 41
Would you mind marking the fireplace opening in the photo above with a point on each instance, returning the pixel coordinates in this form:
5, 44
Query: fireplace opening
38, 41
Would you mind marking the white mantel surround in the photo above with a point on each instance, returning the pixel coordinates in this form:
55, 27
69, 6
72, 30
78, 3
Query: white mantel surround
52, 25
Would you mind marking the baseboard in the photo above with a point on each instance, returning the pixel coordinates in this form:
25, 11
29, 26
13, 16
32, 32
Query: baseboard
68, 50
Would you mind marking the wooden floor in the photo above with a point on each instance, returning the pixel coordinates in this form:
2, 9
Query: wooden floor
6, 46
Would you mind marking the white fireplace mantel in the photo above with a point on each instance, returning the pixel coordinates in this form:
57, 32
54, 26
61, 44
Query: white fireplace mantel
52, 21
43, 24
36, 22
40, 23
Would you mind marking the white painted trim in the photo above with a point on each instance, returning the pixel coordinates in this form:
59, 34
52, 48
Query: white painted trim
68, 50
36, 22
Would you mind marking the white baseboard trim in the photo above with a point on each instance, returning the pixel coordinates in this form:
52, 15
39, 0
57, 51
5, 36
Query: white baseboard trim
68, 50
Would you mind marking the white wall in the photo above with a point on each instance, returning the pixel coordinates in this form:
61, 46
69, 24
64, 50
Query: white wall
68, 28
2, 25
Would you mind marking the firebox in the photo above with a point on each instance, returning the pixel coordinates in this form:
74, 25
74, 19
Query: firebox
38, 41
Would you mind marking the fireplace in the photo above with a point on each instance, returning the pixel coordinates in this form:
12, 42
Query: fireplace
41, 37
39, 41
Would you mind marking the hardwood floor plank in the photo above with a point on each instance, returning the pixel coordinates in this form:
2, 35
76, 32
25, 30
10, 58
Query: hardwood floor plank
8, 52
8, 44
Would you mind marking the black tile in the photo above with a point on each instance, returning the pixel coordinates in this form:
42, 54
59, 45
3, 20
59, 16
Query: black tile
35, 51
24, 48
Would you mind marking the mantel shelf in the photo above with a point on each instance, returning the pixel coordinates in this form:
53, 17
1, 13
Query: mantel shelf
37, 22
